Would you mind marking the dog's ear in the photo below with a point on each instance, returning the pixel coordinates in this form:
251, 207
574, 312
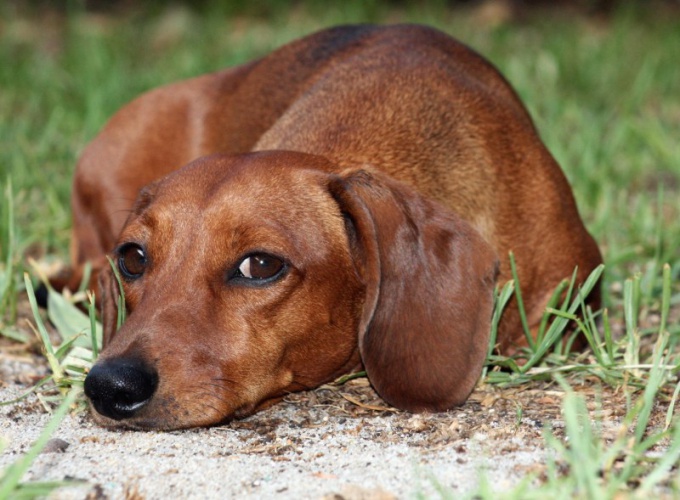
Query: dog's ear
429, 279
110, 297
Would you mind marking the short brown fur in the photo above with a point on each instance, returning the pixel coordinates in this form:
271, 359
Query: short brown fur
391, 167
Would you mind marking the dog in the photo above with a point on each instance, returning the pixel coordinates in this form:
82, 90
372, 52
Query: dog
346, 203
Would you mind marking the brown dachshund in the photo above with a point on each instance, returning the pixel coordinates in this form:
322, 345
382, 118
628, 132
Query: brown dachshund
360, 187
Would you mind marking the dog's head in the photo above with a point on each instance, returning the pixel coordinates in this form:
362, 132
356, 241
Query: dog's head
248, 277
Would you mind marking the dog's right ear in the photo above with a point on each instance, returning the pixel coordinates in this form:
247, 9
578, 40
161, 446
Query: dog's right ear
429, 278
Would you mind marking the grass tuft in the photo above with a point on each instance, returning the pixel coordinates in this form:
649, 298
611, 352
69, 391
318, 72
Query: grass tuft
585, 464
71, 358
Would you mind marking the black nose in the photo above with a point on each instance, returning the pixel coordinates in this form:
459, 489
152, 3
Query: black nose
119, 387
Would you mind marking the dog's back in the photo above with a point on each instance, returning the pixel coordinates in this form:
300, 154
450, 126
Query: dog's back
415, 103
406, 100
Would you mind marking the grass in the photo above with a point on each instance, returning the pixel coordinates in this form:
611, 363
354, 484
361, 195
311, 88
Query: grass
603, 93
8, 296
586, 464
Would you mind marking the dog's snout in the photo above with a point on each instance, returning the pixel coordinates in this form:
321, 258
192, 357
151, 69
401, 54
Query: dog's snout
118, 388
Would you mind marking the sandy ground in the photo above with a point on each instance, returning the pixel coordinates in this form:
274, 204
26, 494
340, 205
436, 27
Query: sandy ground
335, 442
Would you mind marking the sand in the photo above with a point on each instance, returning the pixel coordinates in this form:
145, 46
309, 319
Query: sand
317, 444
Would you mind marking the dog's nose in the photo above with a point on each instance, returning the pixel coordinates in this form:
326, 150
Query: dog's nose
120, 387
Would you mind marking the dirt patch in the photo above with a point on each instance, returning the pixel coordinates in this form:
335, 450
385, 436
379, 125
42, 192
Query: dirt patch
339, 441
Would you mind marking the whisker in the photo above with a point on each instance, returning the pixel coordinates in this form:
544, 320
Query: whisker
228, 380
228, 389
202, 393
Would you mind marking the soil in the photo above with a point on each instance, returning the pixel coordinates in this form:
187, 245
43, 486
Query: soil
337, 442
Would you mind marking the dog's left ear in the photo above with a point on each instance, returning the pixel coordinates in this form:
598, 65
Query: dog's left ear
429, 279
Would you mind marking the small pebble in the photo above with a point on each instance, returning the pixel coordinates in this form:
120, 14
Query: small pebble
55, 445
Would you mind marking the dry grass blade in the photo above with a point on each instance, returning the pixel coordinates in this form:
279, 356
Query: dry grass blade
356, 402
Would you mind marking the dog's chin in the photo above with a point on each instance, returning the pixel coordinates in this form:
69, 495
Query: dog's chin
137, 424
169, 421
146, 423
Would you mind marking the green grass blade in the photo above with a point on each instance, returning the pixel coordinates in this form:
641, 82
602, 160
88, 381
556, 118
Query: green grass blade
556, 329
670, 459
501, 300
671, 407
85, 281
42, 331
63, 350
33, 389
631, 307
31, 491
14, 334
70, 321
92, 313
554, 299
654, 382
520, 304
121, 298
665, 298
8, 243
608, 339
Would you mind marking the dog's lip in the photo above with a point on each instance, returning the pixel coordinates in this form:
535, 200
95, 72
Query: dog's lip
121, 412
131, 424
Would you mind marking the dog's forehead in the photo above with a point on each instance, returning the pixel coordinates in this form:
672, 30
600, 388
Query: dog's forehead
247, 176
273, 181
263, 195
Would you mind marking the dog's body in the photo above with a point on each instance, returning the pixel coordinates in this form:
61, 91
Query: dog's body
394, 167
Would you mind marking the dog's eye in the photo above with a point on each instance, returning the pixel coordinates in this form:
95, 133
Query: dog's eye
131, 261
260, 266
